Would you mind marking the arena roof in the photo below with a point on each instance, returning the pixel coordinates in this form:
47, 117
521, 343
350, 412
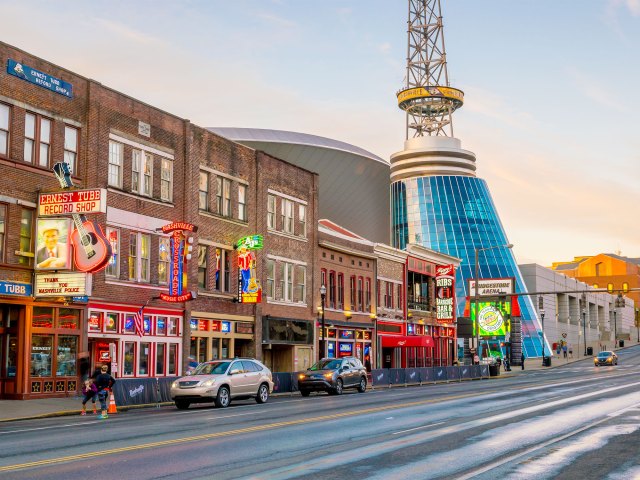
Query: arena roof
354, 183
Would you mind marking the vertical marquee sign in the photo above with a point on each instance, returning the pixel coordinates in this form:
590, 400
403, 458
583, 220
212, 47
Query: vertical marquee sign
249, 289
180, 252
445, 294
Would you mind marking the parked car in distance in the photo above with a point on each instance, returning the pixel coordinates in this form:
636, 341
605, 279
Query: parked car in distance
220, 381
333, 375
605, 358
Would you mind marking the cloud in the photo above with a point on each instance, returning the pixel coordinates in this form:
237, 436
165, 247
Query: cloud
276, 20
597, 91
129, 34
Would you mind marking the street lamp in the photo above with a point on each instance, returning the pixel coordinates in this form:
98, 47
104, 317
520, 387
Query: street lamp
323, 294
475, 293
615, 329
544, 363
584, 330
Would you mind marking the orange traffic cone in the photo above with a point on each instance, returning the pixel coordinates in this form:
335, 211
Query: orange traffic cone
112, 404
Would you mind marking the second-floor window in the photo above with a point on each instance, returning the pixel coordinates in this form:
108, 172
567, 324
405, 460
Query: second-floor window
287, 215
399, 305
3, 217
203, 191
340, 304
113, 267
164, 258
352, 292
271, 211
331, 290
271, 272
202, 266
166, 179
360, 295
226, 197
367, 298
242, 202
115, 164
389, 295
71, 147
300, 276
139, 250
37, 139
222, 270
141, 173
302, 220
26, 240
5, 122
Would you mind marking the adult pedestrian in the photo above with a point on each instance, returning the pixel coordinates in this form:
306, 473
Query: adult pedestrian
104, 382
522, 360
90, 392
84, 366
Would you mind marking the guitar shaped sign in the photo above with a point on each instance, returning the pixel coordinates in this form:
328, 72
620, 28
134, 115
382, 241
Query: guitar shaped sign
91, 248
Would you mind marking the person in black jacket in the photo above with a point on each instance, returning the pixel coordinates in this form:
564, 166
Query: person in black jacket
104, 382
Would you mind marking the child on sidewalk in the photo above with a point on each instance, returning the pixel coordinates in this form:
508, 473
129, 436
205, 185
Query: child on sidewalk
90, 392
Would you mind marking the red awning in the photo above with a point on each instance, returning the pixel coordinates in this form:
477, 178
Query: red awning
406, 341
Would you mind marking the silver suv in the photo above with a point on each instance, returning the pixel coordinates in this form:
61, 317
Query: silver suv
220, 381
333, 375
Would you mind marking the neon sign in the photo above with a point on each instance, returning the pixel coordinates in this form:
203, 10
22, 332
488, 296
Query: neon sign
180, 246
249, 289
445, 283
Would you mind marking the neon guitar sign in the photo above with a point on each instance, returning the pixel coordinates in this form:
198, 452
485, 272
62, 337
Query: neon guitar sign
91, 248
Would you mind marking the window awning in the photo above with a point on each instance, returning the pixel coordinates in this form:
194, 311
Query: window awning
393, 341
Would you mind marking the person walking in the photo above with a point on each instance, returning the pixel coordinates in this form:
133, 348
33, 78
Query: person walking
90, 392
104, 383
522, 360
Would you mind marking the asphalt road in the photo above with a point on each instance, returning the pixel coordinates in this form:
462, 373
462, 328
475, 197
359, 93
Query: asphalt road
576, 421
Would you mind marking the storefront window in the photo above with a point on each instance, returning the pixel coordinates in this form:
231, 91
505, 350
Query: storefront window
66, 360
129, 357
160, 348
143, 367
95, 322
202, 349
111, 324
173, 326
147, 324
215, 349
42, 317
161, 326
225, 348
129, 323
41, 349
173, 348
12, 355
68, 318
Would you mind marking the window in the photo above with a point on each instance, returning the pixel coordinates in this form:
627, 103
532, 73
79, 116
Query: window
129, 358
37, 139
352, 291
3, 220
5, 117
202, 266
141, 173
300, 279
173, 326
113, 267
340, 304
287, 215
271, 272
41, 355
226, 197
360, 294
203, 192
70, 147
242, 202
302, 220
139, 251
219, 195
66, 357
26, 227
111, 322
399, 304
115, 164
166, 179
389, 295
332, 289
323, 277
271, 211
288, 296
164, 256
367, 298
143, 366
160, 354
223, 270
173, 355
129, 323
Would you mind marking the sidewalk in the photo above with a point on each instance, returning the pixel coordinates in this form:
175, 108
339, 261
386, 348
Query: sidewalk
11, 410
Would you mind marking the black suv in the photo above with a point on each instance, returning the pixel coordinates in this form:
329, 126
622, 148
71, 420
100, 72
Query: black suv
333, 375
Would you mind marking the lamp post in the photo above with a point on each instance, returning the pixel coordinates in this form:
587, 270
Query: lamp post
544, 363
476, 325
584, 330
615, 329
323, 294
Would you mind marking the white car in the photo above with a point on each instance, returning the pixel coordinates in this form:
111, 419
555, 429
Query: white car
220, 381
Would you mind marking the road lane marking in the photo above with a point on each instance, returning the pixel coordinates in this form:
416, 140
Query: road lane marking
417, 428
90, 422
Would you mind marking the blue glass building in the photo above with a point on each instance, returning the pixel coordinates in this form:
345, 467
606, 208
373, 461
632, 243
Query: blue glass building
455, 214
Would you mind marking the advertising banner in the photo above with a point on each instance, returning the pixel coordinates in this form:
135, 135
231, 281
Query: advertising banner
62, 284
412, 375
39, 78
445, 294
439, 374
53, 244
74, 201
492, 318
380, 377
135, 391
15, 289
396, 376
453, 373
426, 374
492, 287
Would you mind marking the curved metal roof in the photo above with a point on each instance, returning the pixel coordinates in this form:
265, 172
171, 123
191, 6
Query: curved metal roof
354, 183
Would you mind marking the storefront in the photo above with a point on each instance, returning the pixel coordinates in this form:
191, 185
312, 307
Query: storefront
114, 341
215, 336
287, 343
39, 346
349, 341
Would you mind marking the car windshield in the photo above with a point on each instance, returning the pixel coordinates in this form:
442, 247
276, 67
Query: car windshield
327, 364
212, 368
604, 354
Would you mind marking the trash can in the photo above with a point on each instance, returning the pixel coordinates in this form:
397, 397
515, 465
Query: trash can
494, 370
621, 342
546, 361
589, 350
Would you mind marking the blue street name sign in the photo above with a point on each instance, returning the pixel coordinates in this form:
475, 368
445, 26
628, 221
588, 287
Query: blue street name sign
41, 79
15, 288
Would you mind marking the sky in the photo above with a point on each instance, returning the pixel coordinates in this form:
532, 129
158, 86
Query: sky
551, 89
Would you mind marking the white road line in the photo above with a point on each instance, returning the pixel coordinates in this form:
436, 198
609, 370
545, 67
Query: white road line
52, 426
417, 428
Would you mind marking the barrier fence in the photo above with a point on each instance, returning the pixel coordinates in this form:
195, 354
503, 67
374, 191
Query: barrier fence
140, 391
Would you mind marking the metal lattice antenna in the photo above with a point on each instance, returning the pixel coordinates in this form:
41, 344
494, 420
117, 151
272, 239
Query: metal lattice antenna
427, 98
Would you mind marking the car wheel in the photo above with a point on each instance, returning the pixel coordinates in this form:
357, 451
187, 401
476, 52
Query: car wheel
304, 393
362, 386
182, 405
339, 387
263, 394
223, 399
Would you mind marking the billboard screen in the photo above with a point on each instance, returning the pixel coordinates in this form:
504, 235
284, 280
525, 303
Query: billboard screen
492, 318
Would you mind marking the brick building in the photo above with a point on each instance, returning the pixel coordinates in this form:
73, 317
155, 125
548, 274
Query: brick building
155, 168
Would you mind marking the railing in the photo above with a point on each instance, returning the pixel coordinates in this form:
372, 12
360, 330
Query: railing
417, 302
